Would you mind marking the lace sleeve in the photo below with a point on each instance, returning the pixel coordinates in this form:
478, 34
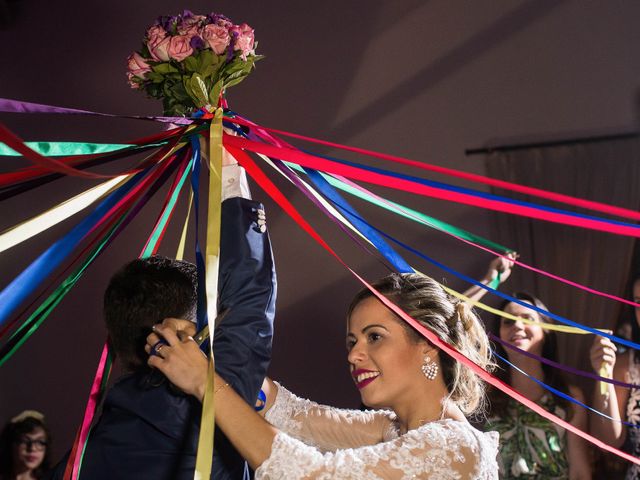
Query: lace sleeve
328, 428
444, 450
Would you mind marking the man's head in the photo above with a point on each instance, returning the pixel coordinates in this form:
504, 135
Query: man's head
145, 292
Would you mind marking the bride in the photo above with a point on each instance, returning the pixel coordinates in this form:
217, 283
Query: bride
421, 397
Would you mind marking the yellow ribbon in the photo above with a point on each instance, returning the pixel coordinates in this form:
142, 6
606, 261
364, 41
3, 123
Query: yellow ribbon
183, 237
204, 457
47, 219
528, 321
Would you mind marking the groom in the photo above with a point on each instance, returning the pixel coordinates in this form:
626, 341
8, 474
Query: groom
148, 429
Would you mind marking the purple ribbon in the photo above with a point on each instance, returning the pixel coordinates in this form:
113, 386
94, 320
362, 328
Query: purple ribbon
566, 368
16, 106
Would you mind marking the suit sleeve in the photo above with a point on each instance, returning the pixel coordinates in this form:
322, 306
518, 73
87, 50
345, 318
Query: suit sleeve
247, 286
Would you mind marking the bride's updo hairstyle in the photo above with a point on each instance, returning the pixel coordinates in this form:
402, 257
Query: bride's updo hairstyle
451, 320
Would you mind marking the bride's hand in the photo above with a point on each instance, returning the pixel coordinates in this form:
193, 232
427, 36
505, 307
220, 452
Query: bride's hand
179, 358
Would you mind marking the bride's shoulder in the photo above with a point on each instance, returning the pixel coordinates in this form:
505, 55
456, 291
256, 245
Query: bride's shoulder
461, 432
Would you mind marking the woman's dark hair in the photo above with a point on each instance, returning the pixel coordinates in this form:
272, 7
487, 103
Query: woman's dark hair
552, 376
12, 432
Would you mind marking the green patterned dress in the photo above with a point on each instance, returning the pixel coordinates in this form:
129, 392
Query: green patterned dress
531, 447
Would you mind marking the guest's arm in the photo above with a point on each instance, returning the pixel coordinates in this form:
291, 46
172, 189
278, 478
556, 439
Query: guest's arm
499, 265
607, 398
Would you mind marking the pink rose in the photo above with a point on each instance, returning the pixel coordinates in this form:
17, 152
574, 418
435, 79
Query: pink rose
137, 65
244, 39
160, 51
217, 37
155, 35
190, 25
132, 81
180, 47
223, 22
190, 31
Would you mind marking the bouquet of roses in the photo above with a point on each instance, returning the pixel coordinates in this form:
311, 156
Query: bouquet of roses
188, 60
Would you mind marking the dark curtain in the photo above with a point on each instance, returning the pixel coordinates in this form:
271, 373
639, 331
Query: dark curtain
608, 172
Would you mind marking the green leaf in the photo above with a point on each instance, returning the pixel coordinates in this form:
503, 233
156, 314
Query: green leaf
191, 64
155, 77
214, 95
235, 81
209, 71
181, 93
165, 68
154, 90
199, 89
206, 58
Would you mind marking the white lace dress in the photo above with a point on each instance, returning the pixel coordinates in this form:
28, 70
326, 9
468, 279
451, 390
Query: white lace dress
320, 442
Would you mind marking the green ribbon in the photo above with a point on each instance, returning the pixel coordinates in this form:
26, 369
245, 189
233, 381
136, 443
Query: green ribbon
495, 283
64, 149
409, 213
166, 214
42, 312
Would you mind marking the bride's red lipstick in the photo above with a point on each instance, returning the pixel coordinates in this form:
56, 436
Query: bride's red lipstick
367, 378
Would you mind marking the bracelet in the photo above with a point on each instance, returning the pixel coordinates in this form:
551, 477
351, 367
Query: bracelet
221, 387
261, 402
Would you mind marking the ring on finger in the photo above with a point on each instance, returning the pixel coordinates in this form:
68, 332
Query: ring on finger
155, 349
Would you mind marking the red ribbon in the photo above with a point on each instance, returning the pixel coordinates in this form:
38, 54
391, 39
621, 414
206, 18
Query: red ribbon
268, 186
65, 165
535, 192
306, 160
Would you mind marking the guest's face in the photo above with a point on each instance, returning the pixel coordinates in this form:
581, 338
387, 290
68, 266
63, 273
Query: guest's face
385, 363
29, 450
527, 337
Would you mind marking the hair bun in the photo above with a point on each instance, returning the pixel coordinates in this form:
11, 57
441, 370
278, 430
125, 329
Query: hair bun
463, 310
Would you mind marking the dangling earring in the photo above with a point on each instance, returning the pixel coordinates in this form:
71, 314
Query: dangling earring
429, 368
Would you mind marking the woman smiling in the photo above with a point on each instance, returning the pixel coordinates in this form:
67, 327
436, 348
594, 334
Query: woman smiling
422, 396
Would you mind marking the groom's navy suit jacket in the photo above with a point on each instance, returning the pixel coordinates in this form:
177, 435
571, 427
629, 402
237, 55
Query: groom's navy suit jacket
148, 430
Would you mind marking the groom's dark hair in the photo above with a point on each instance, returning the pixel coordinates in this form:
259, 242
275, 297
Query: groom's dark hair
142, 293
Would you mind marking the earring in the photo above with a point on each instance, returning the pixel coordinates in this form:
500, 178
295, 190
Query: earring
429, 368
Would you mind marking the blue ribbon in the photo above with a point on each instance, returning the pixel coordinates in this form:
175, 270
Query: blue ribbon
467, 191
32, 276
383, 247
200, 265
466, 278
562, 394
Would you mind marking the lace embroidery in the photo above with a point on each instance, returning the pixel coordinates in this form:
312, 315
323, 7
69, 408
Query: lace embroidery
443, 450
329, 428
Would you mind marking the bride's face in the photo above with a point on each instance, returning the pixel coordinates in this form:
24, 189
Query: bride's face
385, 363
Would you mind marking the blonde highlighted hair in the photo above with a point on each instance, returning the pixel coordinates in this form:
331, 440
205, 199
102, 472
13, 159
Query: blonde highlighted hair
452, 321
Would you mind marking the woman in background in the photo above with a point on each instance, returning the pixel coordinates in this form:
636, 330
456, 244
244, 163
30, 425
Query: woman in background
24, 447
530, 446
620, 403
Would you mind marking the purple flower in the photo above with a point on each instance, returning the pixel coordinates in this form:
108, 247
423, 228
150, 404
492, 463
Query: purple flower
168, 22
219, 19
187, 13
197, 43
232, 43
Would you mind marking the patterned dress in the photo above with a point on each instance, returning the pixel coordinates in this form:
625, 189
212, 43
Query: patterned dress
531, 447
317, 442
632, 444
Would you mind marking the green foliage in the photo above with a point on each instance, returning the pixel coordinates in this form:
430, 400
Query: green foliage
196, 81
